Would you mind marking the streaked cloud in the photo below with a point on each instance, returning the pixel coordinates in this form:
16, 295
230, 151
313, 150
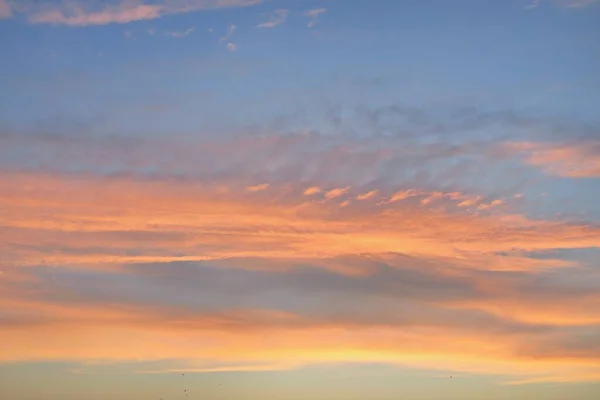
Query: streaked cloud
129, 34
580, 159
311, 191
258, 188
275, 18
313, 15
180, 34
367, 195
576, 3
337, 192
5, 9
203, 209
564, 3
231, 46
229, 33
81, 13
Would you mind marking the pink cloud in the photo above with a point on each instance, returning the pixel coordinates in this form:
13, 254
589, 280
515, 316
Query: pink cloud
75, 13
5, 9
571, 160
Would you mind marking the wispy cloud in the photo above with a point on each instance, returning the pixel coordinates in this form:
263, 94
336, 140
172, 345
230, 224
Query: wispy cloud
337, 192
351, 250
180, 34
275, 18
311, 191
258, 188
580, 159
231, 267
231, 46
367, 195
314, 16
564, 3
576, 3
129, 34
229, 33
5, 9
79, 13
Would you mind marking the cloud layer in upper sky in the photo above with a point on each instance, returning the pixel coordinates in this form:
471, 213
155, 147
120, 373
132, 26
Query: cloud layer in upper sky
95, 12
83, 13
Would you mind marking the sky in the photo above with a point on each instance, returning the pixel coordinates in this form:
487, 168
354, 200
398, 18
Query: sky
299, 199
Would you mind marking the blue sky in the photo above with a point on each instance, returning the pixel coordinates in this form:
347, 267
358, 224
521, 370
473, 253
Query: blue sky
300, 198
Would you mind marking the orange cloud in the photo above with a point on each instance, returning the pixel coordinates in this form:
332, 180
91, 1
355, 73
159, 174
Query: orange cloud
169, 220
368, 195
117, 269
258, 188
262, 340
312, 190
571, 160
332, 194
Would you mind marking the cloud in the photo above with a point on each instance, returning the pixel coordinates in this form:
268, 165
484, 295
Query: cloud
230, 31
579, 159
401, 195
576, 3
275, 18
368, 195
337, 192
180, 34
260, 247
129, 34
198, 231
231, 28
312, 191
77, 13
395, 314
564, 3
314, 16
258, 188
5, 9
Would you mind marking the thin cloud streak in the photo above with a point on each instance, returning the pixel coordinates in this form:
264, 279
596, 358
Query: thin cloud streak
81, 14
314, 16
180, 34
275, 18
573, 160
5, 9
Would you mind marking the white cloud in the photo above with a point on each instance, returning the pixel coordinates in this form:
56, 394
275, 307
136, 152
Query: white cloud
129, 35
564, 3
275, 18
230, 31
231, 28
180, 34
314, 15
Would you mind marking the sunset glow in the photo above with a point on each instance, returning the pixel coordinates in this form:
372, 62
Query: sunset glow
315, 199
